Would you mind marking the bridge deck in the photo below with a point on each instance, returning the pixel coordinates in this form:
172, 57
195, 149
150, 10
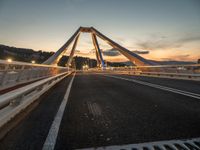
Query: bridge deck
103, 110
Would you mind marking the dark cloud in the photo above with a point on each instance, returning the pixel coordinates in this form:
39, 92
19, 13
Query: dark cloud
141, 51
115, 52
162, 42
184, 56
111, 52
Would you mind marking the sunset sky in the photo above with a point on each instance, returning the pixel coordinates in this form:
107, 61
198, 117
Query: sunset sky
162, 29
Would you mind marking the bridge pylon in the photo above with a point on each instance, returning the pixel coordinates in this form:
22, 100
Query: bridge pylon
133, 57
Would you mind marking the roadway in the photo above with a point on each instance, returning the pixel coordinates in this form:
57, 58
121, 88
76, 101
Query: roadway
112, 109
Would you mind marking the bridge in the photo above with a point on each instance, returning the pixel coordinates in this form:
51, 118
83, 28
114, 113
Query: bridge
146, 106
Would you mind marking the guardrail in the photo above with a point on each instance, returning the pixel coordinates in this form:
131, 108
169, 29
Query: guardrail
15, 73
12, 103
191, 72
195, 68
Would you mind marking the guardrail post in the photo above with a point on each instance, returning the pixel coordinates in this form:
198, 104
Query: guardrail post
39, 88
16, 101
20, 74
3, 79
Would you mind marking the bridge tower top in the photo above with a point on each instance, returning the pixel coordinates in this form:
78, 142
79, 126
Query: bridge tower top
86, 29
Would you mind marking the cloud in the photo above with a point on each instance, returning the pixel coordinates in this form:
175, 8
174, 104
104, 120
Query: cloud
189, 39
141, 52
154, 44
111, 52
163, 42
177, 57
115, 52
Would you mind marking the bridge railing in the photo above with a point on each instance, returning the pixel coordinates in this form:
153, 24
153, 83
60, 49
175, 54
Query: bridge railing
170, 71
38, 79
14, 102
15, 73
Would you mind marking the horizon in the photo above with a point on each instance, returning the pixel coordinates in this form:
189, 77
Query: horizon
165, 30
85, 55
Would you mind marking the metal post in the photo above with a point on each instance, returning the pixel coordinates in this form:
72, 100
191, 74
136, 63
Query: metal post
4, 76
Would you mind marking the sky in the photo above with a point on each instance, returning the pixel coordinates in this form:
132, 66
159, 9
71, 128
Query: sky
156, 29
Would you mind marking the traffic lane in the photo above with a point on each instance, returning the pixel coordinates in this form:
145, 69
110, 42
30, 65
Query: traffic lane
106, 111
186, 85
32, 131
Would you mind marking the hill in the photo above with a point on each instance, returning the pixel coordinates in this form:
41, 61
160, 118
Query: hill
27, 55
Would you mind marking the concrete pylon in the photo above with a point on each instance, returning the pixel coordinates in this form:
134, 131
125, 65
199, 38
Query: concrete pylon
98, 51
54, 59
72, 51
136, 59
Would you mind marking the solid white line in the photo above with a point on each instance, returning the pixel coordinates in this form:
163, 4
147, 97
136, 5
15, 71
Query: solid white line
177, 91
53, 132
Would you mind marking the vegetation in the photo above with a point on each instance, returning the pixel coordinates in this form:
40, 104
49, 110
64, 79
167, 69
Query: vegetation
27, 55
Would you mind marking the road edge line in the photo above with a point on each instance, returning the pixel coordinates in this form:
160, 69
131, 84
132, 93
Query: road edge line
173, 90
51, 138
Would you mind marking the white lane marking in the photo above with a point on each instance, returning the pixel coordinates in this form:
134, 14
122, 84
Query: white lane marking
186, 144
53, 132
185, 93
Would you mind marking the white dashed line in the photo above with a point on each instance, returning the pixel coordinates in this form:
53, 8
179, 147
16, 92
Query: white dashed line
50, 141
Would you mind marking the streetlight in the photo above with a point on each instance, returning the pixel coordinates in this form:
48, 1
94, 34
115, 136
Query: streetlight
33, 61
9, 60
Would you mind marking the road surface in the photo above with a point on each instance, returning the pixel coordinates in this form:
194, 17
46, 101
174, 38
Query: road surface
105, 110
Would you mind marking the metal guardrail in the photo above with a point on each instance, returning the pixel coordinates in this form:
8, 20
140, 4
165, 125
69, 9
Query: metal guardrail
166, 71
12, 103
170, 75
15, 73
195, 68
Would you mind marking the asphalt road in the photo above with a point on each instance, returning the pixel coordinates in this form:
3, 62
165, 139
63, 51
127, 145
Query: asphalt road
31, 133
186, 85
103, 111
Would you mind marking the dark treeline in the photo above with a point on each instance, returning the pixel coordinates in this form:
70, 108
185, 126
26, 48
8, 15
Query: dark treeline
27, 55
23, 54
